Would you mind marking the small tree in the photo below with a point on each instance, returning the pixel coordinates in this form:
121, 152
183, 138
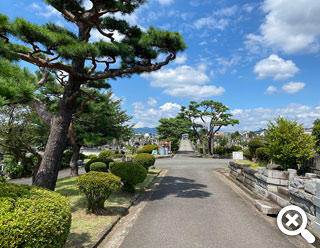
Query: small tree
288, 145
254, 145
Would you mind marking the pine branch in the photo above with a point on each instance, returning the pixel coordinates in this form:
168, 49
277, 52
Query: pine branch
41, 110
89, 97
45, 75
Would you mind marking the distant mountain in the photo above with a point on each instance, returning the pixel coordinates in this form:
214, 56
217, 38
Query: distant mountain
145, 130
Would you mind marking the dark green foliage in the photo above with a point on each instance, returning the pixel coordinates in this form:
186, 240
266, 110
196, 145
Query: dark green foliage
14, 170
236, 148
65, 162
262, 155
247, 154
97, 187
111, 164
33, 217
131, 173
220, 150
145, 159
2, 179
94, 160
254, 145
106, 154
98, 166
147, 149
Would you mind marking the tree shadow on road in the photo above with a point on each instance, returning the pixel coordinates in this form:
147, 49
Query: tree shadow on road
179, 187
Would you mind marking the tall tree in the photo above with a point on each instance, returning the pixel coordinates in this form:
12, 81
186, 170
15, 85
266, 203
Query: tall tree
316, 133
54, 48
213, 116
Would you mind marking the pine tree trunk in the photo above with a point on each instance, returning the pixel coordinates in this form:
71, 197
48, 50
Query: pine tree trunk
203, 146
210, 145
49, 168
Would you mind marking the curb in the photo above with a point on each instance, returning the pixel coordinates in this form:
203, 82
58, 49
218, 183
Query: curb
116, 220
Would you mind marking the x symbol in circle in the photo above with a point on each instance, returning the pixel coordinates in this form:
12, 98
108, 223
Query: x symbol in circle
292, 220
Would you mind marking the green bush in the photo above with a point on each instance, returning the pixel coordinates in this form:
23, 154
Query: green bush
98, 166
106, 154
2, 179
235, 148
91, 156
118, 156
147, 149
131, 173
97, 187
262, 155
220, 150
111, 164
14, 170
94, 160
247, 154
254, 145
65, 162
33, 217
145, 159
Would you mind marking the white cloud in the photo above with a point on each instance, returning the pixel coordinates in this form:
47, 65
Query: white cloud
152, 102
293, 87
165, 2
181, 59
96, 36
195, 91
184, 81
253, 119
291, 26
178, 77
203, 43
230, 11
275, 67
148, 117
211, 22
270, 90
45, 10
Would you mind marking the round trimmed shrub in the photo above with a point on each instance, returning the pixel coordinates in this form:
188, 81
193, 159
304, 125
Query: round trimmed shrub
131, 173
14, 170
235, 148
247, 154
98, 166
94, 160
97, 187
220, 150
91, 156
145, 159
33, 217
254, 145
262, 155
106, 154
147, 149
118, 156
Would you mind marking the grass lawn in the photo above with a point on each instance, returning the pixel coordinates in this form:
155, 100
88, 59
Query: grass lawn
86, 227
253, 165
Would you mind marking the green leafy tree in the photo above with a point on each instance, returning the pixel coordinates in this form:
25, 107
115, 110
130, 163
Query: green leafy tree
55, 49
316, 133
288, 145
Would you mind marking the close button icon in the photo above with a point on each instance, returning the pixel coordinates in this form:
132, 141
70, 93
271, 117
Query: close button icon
292, 221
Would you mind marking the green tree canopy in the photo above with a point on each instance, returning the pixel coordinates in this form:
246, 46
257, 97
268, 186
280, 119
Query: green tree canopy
76, 61
288, 145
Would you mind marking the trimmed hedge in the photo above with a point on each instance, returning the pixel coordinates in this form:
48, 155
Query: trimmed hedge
131, 173
145, 159
98, 166
106, 154
254, 145
118, 156
91, 156
262, 155
247, 154
33, 217
97, 187
94, 160
147, 149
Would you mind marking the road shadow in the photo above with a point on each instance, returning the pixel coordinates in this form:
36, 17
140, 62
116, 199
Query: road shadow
179, 187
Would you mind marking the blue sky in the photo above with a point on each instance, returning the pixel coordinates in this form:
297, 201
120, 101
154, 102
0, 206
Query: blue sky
260, 58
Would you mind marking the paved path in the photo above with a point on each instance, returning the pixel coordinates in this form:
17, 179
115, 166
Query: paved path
193, 207
62, 174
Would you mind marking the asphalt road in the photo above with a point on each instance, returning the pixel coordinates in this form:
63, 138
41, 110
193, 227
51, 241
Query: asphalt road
192, 207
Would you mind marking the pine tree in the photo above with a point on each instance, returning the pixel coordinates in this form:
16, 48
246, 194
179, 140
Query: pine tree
56, 50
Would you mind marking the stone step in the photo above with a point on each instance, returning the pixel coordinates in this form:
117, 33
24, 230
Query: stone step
267, 207
284, 191
278, 198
